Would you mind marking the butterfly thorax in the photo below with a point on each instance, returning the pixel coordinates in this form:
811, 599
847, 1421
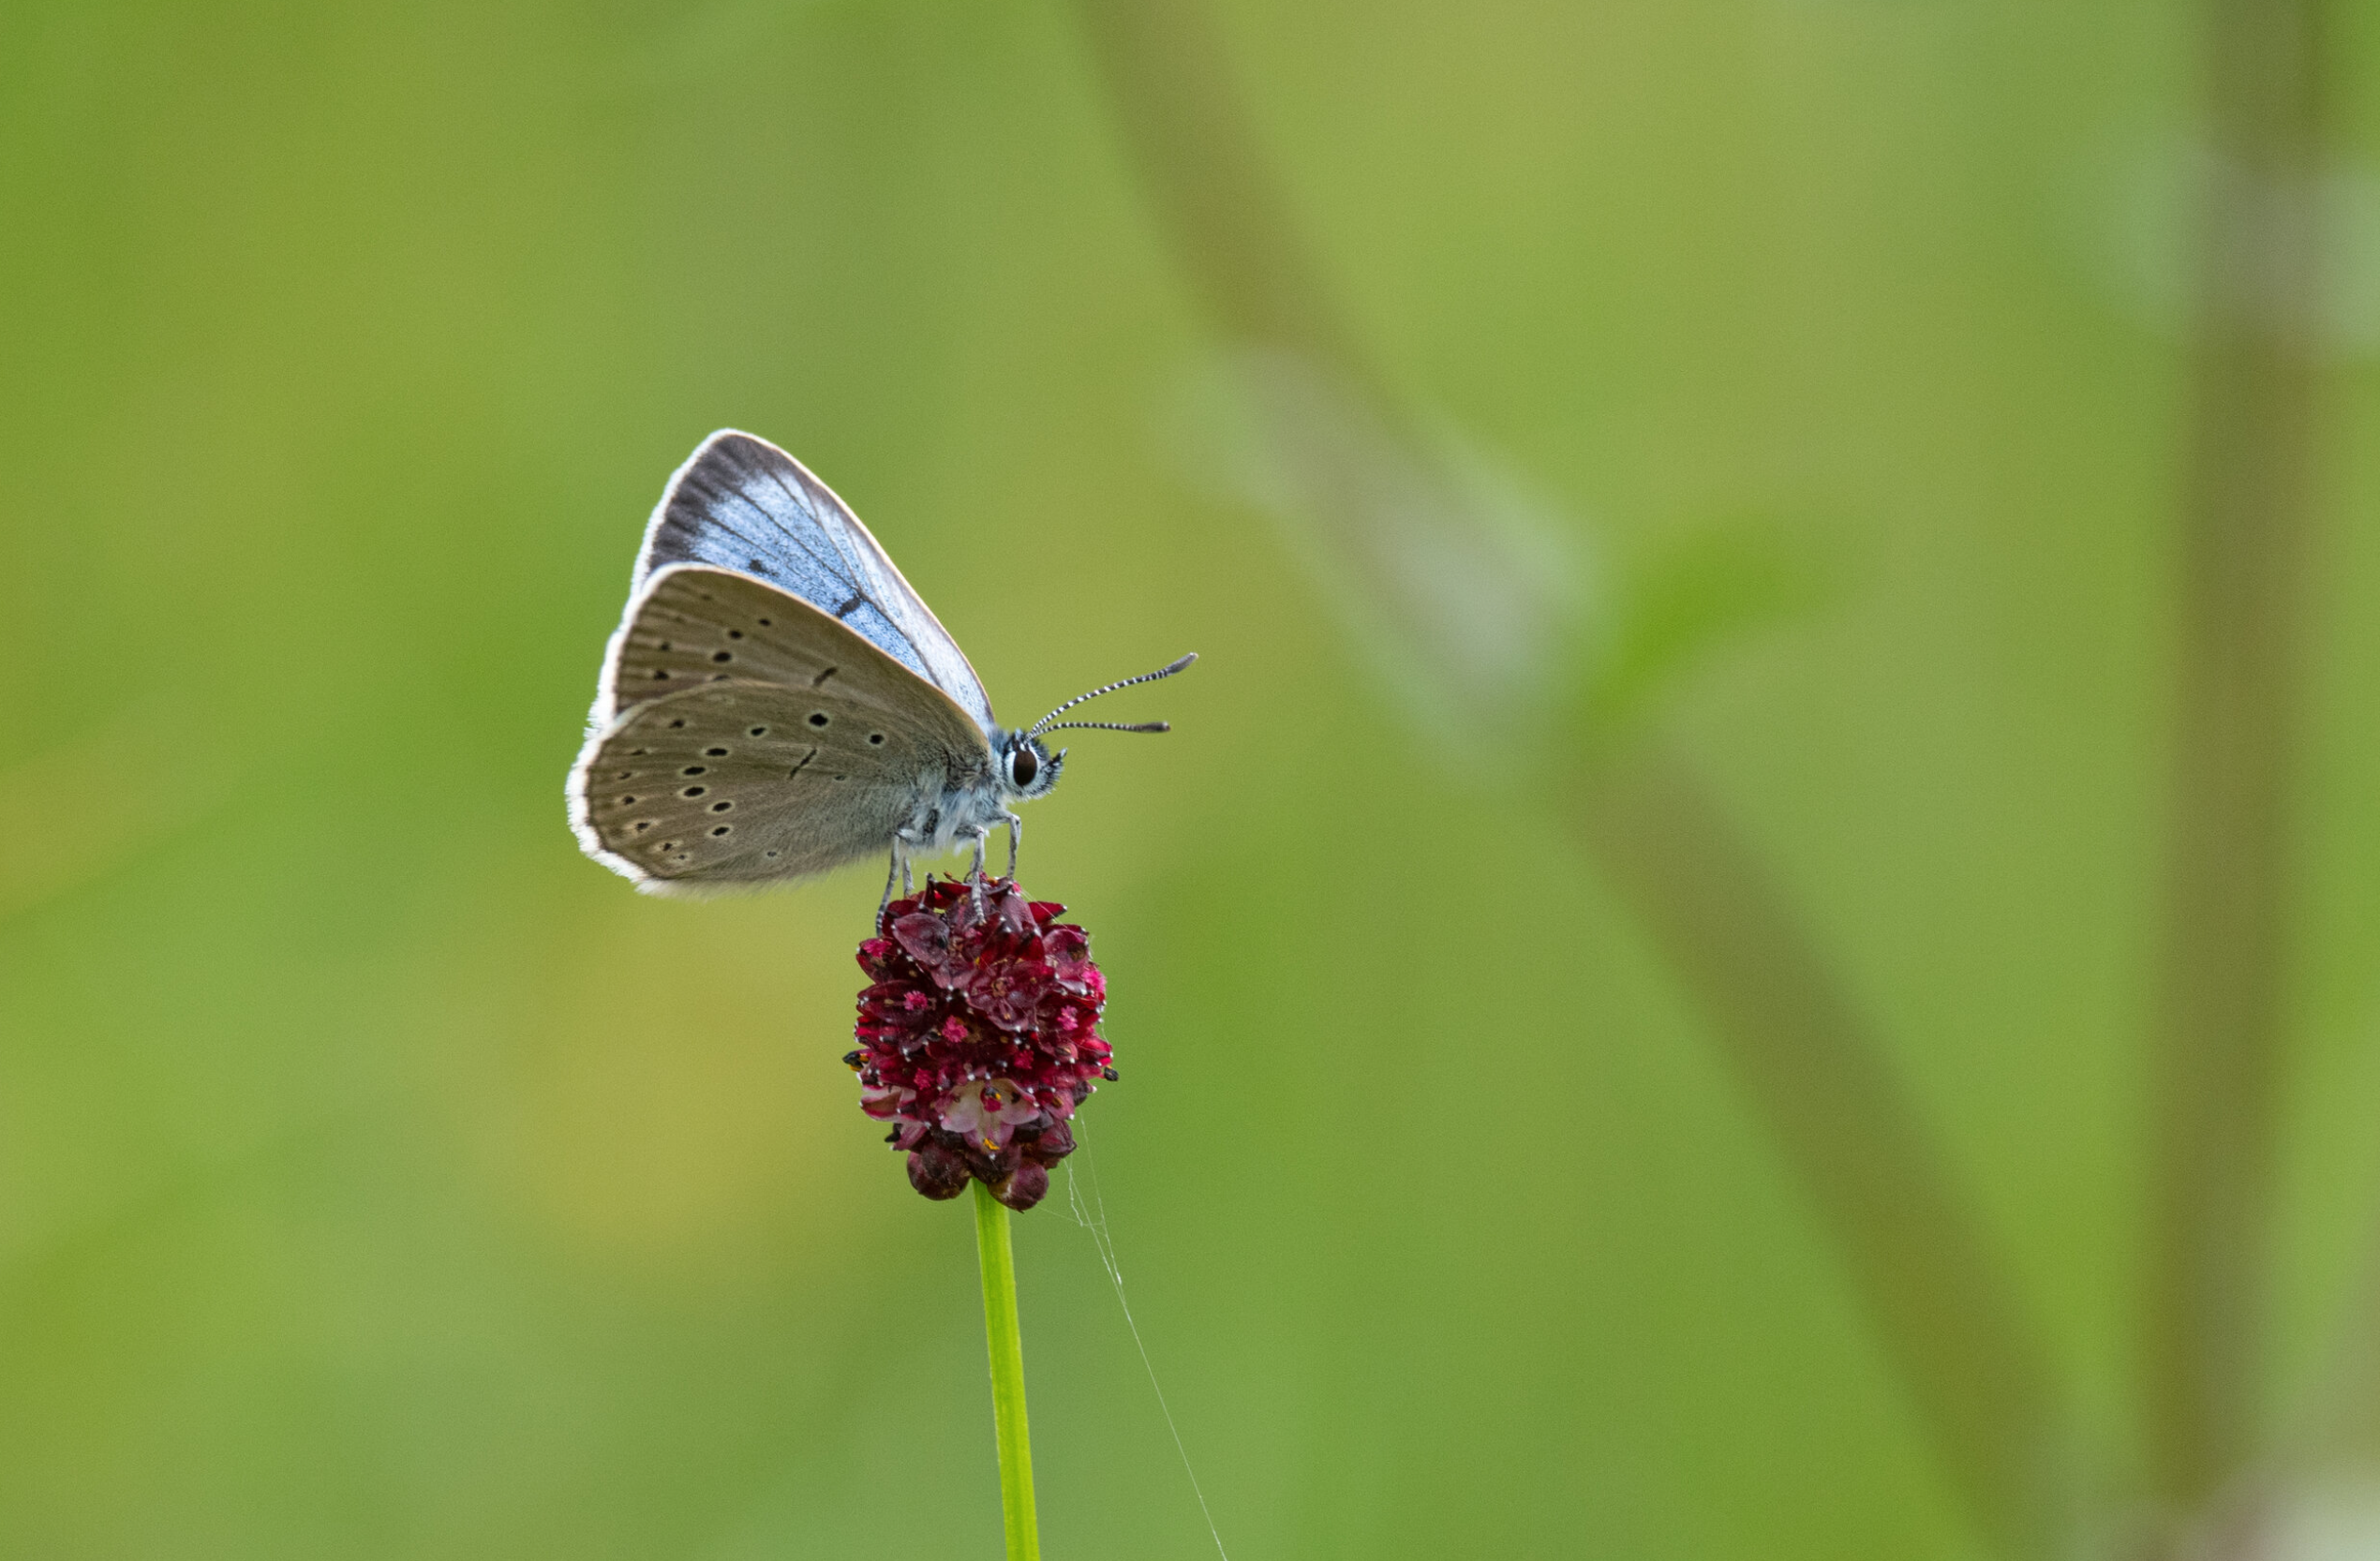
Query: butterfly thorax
956, 810
958, 806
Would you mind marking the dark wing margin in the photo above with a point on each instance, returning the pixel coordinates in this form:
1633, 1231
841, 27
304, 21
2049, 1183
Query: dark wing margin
741, 504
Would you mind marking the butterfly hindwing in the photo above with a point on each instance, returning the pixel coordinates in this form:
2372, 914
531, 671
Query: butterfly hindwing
774, 742
741, 504
729, 784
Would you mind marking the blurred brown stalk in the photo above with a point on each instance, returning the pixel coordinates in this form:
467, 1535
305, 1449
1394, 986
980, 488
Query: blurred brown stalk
2221, 1022
1941, 1304
1940, 1299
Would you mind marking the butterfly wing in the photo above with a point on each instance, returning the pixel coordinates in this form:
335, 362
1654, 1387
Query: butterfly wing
746, 738
741, 504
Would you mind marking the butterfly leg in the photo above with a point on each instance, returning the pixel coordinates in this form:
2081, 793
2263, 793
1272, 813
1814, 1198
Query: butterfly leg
975, 877
1016, 838
892, 872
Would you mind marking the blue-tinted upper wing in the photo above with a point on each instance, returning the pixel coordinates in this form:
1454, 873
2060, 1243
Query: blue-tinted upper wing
741, 503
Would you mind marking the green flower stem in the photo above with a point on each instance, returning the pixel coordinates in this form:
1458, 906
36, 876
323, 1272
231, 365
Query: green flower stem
1007, 1376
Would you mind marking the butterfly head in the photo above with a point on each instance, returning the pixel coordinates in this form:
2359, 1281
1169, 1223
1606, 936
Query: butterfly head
1027, 767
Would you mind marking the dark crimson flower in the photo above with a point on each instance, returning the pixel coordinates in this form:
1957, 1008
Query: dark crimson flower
979, 1035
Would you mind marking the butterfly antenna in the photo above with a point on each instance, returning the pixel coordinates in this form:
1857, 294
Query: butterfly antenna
1045, 723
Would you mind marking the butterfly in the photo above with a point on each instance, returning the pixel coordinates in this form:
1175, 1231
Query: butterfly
778, 702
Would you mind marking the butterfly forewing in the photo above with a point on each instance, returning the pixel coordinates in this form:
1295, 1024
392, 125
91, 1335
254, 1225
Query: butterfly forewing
695, 625
741, 504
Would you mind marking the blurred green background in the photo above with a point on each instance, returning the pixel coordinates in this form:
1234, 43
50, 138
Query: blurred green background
381, 1179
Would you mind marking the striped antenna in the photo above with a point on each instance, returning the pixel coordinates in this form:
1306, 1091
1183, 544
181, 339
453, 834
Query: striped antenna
1044, 723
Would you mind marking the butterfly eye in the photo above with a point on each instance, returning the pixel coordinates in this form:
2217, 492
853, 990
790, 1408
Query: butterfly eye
1023, 765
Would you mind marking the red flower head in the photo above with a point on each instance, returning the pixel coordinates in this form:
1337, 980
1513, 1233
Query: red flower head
979, 1036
